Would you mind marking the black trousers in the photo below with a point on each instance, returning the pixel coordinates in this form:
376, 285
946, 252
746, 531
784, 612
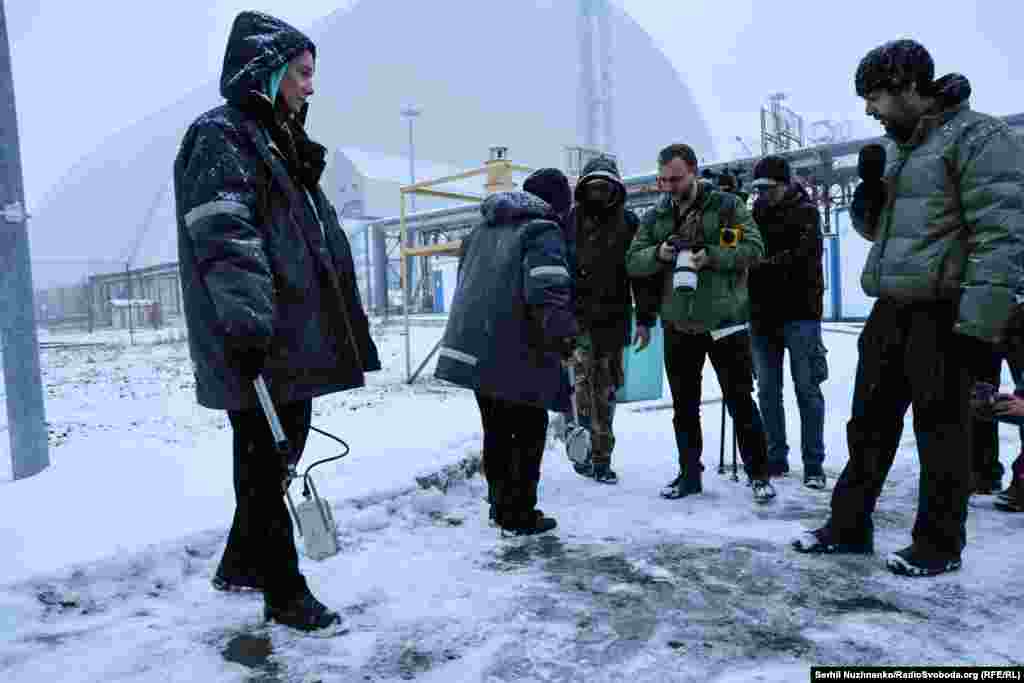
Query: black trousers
733, 364
514, 438
261, 545
984, 434
908, 355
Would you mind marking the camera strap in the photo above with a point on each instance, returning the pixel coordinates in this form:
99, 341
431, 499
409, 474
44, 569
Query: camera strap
687, 222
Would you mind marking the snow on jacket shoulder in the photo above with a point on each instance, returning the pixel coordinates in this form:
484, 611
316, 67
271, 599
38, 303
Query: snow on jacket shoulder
512, 306
264, 266
953, 227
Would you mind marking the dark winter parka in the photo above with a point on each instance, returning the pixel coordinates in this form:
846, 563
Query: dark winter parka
788, 283
952, 227
512, 306
598, 243
261, 268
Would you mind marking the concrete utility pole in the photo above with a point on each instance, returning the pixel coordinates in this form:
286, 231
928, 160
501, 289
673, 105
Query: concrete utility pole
26, 417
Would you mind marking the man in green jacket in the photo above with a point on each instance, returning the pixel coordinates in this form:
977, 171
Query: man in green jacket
947, 221
703, 240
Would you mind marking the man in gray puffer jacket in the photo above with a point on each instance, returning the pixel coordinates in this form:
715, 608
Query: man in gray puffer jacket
947, 223
510, 328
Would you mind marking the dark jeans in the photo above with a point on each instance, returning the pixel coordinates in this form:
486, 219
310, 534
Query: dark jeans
984, 434
909, 355
261, 545
514, 438
809, 368
730, 357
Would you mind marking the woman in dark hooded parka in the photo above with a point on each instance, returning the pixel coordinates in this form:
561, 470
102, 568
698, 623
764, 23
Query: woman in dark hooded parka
269, 290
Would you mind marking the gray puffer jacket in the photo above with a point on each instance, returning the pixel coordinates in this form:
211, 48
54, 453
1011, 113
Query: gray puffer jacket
953, 224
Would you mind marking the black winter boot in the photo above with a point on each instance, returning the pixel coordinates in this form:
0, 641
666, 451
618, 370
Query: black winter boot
604, 474
236, 584
529, 524
915, 560
304, 613
687, 483
824, 541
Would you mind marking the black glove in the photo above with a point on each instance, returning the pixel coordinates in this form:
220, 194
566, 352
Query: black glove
566, 347
248, 361
672, 241
983, 400
762, 208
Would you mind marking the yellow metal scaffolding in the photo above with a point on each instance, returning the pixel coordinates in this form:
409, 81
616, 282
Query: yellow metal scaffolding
499, 173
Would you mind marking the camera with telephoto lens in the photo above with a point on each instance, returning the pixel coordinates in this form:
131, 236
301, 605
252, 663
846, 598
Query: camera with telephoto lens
684, 277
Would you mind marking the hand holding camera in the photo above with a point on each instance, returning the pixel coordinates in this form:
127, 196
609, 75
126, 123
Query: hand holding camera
689, 259
667, 251
700, 259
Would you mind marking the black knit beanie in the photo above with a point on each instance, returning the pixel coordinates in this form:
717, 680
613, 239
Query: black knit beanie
552, 186
893, 66
772, 167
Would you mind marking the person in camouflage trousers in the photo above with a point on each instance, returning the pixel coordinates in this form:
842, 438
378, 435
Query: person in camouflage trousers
601, 229
597, 376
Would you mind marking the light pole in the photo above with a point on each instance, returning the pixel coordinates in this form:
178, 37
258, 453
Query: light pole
409, 112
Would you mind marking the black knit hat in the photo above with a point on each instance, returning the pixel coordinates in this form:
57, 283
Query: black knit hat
603, 163
552, 186
893, 66
771, 170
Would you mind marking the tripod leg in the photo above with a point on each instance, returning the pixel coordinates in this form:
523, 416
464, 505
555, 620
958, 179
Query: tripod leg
721, 444
735, 476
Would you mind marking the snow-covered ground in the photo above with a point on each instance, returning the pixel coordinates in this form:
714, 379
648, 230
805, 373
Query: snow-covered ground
107, 555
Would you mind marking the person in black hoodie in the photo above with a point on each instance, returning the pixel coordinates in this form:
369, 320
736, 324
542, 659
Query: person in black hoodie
601, 229
510, 328
269, 290
786, 291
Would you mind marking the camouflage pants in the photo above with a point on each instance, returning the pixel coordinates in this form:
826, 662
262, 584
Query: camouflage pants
598, 375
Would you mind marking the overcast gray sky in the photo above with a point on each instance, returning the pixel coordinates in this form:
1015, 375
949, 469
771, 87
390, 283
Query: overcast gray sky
84, 70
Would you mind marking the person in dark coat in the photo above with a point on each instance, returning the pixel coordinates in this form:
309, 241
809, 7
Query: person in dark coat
787, 288
989, 406
600, 230
269, 290
510, 328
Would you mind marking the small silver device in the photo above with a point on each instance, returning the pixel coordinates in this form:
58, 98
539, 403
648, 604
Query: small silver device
313, 515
